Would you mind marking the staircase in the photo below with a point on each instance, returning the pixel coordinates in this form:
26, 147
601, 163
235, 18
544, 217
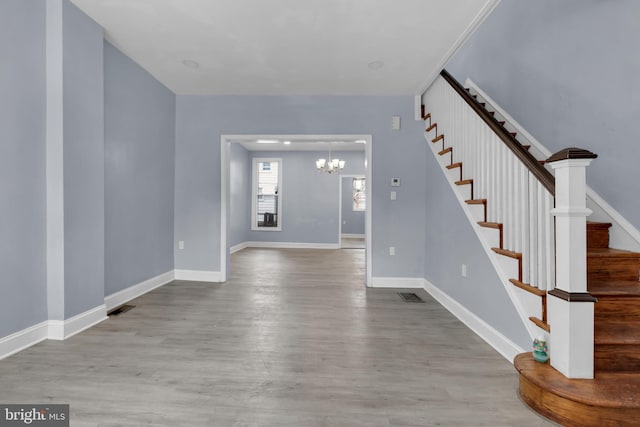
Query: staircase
612, 398
523, 254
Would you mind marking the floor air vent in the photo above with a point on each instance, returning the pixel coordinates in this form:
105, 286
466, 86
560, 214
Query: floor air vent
122, 309
410, 297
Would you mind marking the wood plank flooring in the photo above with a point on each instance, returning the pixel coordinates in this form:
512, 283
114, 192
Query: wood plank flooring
292, 339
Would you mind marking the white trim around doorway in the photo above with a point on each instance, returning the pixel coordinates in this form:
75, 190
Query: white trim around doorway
225, 146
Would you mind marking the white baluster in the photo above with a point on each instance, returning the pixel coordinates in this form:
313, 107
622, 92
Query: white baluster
533, 229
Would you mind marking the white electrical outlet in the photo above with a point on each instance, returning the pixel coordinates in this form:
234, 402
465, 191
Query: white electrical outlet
395, 123
180, 244
393, 195
464, 270
392, 250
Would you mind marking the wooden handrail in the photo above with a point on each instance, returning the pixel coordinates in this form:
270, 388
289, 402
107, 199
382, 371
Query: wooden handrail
539, 171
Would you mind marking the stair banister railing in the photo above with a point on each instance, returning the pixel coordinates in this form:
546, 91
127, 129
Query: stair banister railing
543, 175
519, 189
571, 307
525, 197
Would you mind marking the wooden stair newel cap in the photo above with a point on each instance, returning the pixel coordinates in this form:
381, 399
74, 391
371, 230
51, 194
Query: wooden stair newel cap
571, 153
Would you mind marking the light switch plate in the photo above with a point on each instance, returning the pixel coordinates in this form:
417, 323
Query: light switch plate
395, 182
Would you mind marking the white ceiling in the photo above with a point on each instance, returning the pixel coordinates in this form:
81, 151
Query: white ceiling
289, 47
278, 144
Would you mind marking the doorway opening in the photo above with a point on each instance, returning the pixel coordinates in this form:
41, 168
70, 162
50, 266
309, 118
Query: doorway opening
279, 145
353, 208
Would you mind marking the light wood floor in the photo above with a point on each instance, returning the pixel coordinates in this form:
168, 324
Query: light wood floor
293, 339
352, 242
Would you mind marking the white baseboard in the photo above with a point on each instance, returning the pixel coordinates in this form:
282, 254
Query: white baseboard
397, 282
292, 245
18, 341
198, 275
238, 247
63, 329
352, 236
507, 348
121, 297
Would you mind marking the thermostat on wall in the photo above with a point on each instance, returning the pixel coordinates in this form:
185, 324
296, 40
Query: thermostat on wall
395, 182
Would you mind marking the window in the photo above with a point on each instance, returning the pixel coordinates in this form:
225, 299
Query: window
266, 201
359, 194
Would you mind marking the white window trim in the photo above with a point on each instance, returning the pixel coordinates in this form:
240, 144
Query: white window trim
353, 209
254, 193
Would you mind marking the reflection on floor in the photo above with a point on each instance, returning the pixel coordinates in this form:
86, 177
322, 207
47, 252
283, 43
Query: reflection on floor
352, 243
293, 338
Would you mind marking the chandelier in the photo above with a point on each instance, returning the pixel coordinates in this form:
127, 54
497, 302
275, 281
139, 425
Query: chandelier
328, 166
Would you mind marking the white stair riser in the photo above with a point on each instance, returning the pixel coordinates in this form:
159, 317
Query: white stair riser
491, 237
477, 211
453, 174
508, 265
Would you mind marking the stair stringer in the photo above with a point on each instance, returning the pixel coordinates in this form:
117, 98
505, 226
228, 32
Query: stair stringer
622, 234
526, 304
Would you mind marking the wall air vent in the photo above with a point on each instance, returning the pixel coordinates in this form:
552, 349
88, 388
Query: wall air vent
119, 310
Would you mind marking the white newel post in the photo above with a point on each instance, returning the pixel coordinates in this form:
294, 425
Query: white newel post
570, 306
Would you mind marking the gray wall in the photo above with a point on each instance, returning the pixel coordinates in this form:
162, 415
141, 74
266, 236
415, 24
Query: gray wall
352, 221
240, 194
310, 199
83, 161
139, 173
568, 72
22, 165
200, 120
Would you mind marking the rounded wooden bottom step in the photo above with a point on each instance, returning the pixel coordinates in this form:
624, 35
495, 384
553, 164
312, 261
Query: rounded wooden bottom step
610, 399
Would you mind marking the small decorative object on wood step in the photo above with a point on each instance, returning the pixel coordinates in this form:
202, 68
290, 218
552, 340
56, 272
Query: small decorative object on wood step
540, 351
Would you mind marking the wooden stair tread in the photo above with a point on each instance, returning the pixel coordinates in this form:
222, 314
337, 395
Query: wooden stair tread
527, 287
496, 225
464, 182
616, 332
507, 253
427, 116
607, 389
614, 288
611, 253
445, 151
595, 224
438, 138
540, 323
454, 165
476, 202
431, 127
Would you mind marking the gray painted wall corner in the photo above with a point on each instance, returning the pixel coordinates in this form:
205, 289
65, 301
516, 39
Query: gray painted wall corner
22, 166
139, 173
